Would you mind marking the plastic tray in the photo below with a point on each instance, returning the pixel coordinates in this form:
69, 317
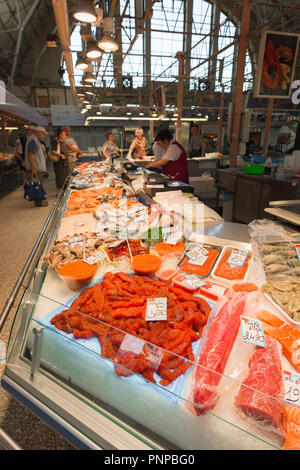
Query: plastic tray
220, 259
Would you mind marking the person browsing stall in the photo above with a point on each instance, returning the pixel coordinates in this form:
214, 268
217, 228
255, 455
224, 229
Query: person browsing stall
110, 148
196, 147
70, 149
35, 158
139, 145
174, 160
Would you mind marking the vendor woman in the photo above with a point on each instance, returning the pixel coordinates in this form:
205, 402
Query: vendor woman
139, 145
174, 160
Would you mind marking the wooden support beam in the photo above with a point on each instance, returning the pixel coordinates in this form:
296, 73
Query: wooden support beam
239, 82
180, 57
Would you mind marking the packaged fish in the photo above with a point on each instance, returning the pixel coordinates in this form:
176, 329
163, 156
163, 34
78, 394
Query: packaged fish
199, 259
280, 260
233, 264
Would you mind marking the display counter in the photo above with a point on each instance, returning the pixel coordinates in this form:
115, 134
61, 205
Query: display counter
111, 367
253, 193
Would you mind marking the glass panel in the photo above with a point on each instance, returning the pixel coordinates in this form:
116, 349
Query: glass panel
220, 390
167, 24
39, 267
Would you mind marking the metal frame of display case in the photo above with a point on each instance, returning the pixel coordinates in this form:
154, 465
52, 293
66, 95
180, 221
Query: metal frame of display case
67, 403
68, 413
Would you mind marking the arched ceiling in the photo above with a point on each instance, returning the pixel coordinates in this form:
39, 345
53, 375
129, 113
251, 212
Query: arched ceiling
25, 24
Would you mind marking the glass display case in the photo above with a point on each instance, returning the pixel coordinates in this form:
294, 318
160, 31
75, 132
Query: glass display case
103, 387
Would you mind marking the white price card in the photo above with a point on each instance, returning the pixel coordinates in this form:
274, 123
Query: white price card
174, 238
291, 382
156, 309
196, 253
95, 258
199, 261
252, 331
193, 281
237, 258
74, 240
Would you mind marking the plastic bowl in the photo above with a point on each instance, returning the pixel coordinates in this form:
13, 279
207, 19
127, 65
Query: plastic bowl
153, 263
78, 281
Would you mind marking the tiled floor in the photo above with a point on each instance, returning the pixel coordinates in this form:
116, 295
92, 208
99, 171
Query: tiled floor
20, 225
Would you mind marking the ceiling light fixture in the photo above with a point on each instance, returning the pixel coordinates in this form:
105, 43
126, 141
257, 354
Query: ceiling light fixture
89, 78
107, 43
89, 92
85, 12
81, 64
92, 51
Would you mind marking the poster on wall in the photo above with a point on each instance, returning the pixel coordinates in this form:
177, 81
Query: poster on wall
276, 64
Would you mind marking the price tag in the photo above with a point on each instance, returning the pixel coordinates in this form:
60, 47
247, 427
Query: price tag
298, 251
252, 331
193, 281
95, 258
291, 387
74, 240
237, 258
196, 253
199, 261
174, 238
156, 309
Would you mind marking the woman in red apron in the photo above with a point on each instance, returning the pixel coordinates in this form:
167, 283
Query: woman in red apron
174, 161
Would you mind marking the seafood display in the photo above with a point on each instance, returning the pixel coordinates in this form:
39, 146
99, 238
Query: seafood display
164, 313
292, 428
74, 248
233, 264
280, 261
199, 259
286, 294
287, 336
118, 305
261, 397
215, 353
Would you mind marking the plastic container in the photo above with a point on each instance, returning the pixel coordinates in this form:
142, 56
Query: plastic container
232, 266
254, 169
203, 265
82, 278
146, 263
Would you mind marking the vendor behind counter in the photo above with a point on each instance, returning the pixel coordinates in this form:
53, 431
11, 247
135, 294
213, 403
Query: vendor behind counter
174, 160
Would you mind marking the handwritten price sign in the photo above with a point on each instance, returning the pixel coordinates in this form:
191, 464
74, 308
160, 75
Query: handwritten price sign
237, 258
252, 331
156, 309
291, 387
193, 281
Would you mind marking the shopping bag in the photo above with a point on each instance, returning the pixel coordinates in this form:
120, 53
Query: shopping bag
33, 190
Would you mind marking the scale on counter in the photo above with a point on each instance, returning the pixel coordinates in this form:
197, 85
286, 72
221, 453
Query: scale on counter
289, 211
155, 182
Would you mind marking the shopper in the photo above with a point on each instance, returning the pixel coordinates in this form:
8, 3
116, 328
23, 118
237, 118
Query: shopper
174, 160
109, 148
59, 160
69, 148
139, 145
196, 147
35, 158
